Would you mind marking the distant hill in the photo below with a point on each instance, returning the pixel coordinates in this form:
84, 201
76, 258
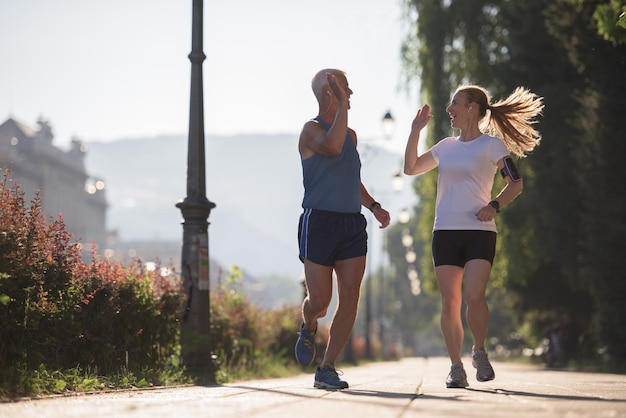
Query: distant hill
255, 181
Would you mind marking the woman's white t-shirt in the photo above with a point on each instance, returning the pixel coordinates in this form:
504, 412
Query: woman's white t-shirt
466, 176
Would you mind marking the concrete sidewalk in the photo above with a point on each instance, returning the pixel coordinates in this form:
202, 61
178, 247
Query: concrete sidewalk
412, 387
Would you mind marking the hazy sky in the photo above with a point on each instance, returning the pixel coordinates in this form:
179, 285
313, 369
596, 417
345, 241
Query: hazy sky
105, 70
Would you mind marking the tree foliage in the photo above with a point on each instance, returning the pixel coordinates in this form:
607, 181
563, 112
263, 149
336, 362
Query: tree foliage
560, 243
611, 20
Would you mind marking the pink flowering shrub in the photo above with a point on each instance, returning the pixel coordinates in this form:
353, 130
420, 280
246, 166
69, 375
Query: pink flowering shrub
58, 311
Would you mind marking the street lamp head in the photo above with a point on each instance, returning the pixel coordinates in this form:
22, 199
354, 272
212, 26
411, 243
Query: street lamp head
389, 124
397, 182
407, 240
404, 216
410, 256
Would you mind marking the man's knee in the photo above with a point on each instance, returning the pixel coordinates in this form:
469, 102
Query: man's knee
349, 292
317, 306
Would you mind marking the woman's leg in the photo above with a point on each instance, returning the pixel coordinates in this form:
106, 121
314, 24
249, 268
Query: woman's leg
476, 277
450, 282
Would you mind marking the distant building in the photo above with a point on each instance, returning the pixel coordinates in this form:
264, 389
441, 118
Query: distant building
60, 176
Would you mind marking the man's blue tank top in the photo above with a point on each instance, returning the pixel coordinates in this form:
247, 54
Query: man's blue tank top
333, 183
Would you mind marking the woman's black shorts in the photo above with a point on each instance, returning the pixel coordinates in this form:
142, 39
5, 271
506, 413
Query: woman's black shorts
455, 248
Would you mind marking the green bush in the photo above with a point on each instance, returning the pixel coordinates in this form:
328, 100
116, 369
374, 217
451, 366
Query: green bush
128, 317
69, 325
248, 341
59, 312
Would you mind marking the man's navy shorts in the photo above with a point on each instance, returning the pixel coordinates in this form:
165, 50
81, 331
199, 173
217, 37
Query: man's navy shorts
325, 237
457, 247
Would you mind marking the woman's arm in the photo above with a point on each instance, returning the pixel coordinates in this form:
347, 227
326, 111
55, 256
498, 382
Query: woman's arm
510, 191
414, 163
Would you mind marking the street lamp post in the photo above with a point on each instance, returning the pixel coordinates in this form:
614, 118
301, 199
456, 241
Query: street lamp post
397, 184
195, 208
368, 299
388, 125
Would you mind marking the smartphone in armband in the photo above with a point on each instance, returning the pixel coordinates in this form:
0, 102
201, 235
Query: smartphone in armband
510, 169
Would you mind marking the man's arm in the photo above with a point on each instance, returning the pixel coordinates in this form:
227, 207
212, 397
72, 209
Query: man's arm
314, 139
381, 215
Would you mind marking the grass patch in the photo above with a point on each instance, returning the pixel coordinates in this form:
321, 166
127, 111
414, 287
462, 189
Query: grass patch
43, 382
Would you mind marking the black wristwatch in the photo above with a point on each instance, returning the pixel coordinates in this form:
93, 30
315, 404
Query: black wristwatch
373, 206
496, 205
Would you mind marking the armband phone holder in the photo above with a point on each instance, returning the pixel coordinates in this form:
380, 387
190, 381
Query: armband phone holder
510, 170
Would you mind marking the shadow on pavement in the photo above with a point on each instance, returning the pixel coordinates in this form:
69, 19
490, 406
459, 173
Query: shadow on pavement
508, 392
379, 394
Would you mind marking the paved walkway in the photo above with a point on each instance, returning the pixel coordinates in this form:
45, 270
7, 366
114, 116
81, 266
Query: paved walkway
413, 387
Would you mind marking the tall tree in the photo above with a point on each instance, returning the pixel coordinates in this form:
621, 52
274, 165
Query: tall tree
600, 64
542, 247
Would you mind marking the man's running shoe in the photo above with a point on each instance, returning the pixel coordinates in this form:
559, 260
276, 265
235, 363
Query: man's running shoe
457, 378
484, 371
305, 346
327, 378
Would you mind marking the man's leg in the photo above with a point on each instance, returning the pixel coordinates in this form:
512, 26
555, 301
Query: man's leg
349, 277
318, 280
319, 289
